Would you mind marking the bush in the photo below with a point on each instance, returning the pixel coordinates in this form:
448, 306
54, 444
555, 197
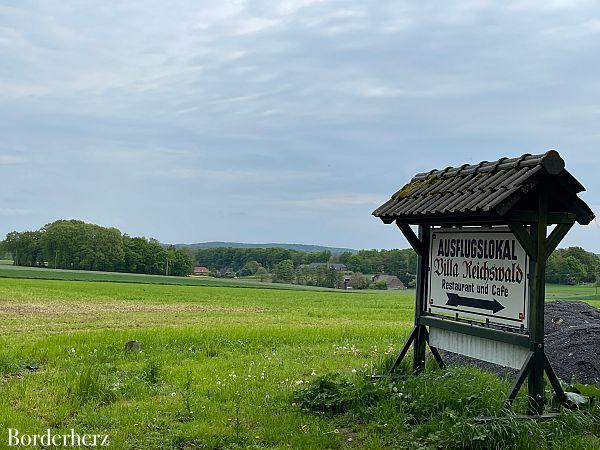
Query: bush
262, 274
335, 394
379, 285
358, 281
439, 407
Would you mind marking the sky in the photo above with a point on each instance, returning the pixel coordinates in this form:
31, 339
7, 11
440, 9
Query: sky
287, 121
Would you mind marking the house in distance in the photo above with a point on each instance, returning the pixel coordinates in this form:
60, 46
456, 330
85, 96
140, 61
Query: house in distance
391, 281
200, 270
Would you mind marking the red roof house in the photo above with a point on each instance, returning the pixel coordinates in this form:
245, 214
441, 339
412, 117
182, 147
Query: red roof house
200, 270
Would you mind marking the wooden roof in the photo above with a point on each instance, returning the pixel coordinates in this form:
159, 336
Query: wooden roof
488, 190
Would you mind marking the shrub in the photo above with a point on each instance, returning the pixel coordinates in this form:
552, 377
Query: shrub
334, 394
262, 274
379, 285
358, 281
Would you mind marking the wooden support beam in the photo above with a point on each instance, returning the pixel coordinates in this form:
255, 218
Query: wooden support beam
523, 216
560, 393
524, 239
420, 299
419, 350
403, 351
437, 357
557, 235
435, 352
535, 382
411, 237
514, 390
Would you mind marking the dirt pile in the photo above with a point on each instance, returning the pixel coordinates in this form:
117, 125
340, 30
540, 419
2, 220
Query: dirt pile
572, 344
573, 340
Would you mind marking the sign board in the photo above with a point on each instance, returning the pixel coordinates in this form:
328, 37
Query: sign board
496, 352
478, 273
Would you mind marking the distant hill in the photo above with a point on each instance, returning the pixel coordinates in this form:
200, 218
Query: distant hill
300, 247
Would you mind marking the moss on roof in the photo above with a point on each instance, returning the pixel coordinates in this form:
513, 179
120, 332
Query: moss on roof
413, 186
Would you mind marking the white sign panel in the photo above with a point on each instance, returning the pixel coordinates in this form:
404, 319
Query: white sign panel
496, 352
478, 274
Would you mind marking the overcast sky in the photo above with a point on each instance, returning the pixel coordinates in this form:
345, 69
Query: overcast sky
286, 121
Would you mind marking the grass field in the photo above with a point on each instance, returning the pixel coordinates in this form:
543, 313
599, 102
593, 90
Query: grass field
220, 366
7, 270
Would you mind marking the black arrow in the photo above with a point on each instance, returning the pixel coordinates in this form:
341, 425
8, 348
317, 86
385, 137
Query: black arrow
491, 305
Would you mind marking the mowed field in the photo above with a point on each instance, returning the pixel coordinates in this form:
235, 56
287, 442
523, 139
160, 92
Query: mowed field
221, 367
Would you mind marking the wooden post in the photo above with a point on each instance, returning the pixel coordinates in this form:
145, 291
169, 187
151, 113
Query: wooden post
535, 381
420, 301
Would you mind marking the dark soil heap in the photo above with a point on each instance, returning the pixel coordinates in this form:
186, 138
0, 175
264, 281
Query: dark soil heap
573, 340
572, 344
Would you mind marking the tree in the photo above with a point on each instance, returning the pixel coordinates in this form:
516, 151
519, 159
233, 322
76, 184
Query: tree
180, 263
74, 244
590, 262
575, 272
25, 248
262, 274
331, 279
283, 272
237, 258
571, 266
402, 263
250, 268
358, 281
563, 269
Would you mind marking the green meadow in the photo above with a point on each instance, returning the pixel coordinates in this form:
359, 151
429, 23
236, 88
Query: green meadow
225, 366
7, 270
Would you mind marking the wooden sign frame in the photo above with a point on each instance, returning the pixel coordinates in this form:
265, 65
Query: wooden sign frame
529, 226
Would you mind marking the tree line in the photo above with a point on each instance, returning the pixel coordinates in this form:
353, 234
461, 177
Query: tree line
401, 263
74, 244
571, 265
245, 261
237, 258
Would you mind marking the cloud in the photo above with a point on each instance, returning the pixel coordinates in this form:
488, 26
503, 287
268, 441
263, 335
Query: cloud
14, 212
131, 112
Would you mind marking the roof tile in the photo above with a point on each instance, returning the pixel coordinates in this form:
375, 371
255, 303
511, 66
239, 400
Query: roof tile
478, 188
